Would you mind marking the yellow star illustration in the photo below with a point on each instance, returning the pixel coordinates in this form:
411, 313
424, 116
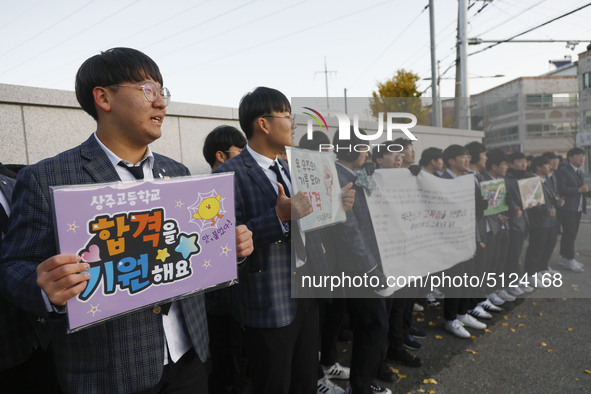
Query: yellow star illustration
162, 254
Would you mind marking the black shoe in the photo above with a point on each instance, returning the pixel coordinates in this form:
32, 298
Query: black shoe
415, 332
385, 373
405, 358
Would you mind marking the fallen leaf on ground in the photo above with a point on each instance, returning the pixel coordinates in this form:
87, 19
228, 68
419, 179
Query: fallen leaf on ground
430, 391
588, 371
505, 317
543, 344
487, 330
550, 350
429, 381
438, 337
471, 351
431, 324
420, 319
512, 330
505, 324
521, 325
569, 329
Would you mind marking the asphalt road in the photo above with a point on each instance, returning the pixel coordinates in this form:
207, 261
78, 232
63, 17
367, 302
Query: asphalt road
540, 343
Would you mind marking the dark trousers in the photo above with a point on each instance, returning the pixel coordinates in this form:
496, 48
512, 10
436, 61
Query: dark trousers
36, 375
516, 240
570, 227
370, 324
187, 376
500, 259
285, 359
540, 248
228, 373
399, 319
459, 303
332, 313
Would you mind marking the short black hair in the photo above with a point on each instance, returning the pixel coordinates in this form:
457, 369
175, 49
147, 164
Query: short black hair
430, 154
538, 161
402, 141
259, 102
495, 157
345, 149
318, 138
516, 156
379, 151
111, 67
221, 139
475, 148
550, 155
575, 151
453, 151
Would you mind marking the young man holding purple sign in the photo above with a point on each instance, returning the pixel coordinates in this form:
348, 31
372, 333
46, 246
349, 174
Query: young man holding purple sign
146, 350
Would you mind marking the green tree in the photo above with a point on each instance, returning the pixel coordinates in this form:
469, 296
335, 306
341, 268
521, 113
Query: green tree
399, 94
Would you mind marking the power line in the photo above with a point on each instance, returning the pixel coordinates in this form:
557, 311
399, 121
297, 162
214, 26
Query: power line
26, 12
44, 30
530, 30
513, 17
390, 45
70, 37
322, 24
201, 23
230, 30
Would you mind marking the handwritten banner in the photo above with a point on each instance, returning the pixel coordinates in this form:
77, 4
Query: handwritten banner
422, 224
531, 192
495, 193
146, 242
315, 174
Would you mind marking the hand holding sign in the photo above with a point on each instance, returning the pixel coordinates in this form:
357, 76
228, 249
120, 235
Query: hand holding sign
61, 277
244, 245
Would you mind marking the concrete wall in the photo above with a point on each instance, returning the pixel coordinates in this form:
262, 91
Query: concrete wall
38, 123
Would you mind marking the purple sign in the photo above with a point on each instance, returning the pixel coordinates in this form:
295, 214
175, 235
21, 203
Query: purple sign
146, 242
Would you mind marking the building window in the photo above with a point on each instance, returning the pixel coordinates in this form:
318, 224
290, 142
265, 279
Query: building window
551, 129
586, 80
587, 118
506, 134
551, 100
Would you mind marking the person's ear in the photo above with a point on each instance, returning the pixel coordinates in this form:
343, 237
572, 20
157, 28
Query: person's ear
262, 124
220, 156
102, 98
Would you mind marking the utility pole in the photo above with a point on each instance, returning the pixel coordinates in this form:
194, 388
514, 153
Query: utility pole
326, 72
436, 107
462, 97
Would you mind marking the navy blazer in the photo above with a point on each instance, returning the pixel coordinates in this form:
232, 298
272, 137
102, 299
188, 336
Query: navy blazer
121, 355
263, 297
356, 248
513, 202
568, 187
17, 337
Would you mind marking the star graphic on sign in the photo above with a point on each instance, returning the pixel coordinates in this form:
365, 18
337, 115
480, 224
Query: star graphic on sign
162, 254
225, 250
72, 227
207, 264
94, 309
187, 245
179, 203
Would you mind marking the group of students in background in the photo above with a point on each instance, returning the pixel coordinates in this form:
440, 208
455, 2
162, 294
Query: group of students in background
261, 337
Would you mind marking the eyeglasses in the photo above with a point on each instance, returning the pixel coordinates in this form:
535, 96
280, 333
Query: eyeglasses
290, 117
151, 91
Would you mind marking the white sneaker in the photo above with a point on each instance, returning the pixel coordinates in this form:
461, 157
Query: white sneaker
573, 266
337, 371
438, 293
563, 262
552, 271
495, 299
480, 313
526, 288
505, 296
469, 321
514, 291
489, 306
431, 300
375, 389
457, 328
325, 386
417, 308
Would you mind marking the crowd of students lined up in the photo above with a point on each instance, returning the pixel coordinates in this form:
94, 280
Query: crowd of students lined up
258, 336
